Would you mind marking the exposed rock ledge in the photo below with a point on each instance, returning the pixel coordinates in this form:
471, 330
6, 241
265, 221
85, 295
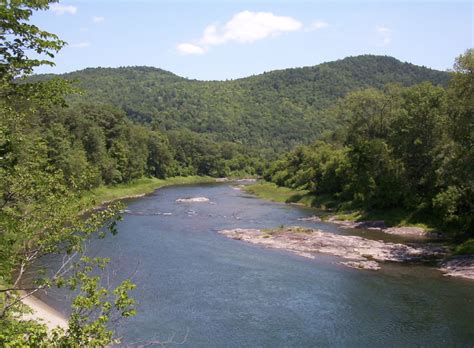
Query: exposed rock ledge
460, 266
380, 226
363, 253
192, 200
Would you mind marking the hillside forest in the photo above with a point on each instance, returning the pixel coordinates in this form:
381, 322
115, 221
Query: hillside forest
370, 132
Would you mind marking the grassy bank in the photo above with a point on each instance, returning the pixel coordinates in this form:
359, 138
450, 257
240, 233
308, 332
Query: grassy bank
330, 206
104, 194
272, 192
393, 217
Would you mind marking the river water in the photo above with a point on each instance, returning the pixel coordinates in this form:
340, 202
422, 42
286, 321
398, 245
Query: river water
197, 288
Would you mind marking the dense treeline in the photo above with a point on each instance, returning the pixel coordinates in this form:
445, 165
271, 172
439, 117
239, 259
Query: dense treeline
400, 147
403, 146
274, 111
97, 144
45, 161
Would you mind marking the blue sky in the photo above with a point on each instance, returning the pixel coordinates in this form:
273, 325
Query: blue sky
221, 40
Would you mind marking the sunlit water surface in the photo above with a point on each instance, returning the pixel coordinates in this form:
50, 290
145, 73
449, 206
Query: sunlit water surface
200, 289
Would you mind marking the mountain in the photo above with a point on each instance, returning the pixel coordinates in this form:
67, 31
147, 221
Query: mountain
275, 110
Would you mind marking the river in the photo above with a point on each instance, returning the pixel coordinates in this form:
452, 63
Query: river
197, 288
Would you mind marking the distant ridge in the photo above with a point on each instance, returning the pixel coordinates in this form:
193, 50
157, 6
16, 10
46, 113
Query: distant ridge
276, 109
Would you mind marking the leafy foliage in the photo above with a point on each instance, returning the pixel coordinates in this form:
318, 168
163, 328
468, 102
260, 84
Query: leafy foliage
404, 145
96, 144
274, 111
41, 177
400, 147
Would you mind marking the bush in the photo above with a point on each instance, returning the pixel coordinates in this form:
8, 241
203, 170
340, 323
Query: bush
466, 248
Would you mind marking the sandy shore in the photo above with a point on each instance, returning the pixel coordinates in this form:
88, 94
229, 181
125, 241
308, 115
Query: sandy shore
44, 313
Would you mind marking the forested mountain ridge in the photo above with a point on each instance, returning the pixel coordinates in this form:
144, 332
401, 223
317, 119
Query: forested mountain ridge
400, 147
275, 110
409, 148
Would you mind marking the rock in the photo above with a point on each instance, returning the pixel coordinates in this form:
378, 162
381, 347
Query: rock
369, 265
406, 231
459, 266
310, 218
192, 200
380, 226
302, 241
246, 180
362, 253
141, 213
373, 224
222, 179
342, 223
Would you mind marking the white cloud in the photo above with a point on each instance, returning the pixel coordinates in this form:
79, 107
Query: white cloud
98, 19
247, 26
384, 33
244, 27
83, 44
62, 9
316, 25
188, 48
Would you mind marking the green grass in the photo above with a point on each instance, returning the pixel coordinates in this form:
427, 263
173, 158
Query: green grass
269, 232
272, 192
142, 186
466, 248
331, 206
391, 217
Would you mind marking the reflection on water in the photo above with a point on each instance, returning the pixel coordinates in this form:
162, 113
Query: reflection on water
198, 286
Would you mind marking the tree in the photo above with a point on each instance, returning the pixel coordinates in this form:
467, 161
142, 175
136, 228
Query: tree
375, 176
455, 202
160, 158
40, 201
416, 135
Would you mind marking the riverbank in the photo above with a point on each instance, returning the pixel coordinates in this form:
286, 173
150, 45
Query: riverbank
395, 221
359, 253
138, 188
274, 193
97, 197
44, 313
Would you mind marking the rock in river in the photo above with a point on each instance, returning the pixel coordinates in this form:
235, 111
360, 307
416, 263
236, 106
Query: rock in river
192, 200
460, 266
304, 241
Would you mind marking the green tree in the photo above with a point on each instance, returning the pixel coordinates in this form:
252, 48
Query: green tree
40, 197
160, 159
455, 201
417, 133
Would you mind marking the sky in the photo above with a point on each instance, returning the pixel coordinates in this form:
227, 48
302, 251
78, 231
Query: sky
219, 40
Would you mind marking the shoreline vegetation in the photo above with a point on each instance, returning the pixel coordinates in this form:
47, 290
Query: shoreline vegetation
393, 221
387, 134
138, 188
265, 190
328, 212
458, 260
